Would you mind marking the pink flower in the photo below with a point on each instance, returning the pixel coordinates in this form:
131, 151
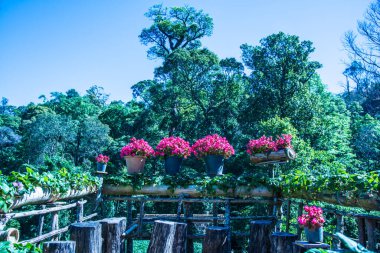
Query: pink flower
284, 141
262, 145
137, 148
173, 146
313, 218
212, 145
18, 185
102, 158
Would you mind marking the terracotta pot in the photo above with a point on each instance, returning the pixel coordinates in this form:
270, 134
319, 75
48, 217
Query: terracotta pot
135, 164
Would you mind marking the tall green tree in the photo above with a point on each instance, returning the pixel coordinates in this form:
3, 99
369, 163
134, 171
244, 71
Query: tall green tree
174, 28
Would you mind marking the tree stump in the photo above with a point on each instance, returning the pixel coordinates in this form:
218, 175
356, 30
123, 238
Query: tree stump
215, 240
88, 237
59, 247
282, 242
301, 247
259, 238
168, 237
112, 230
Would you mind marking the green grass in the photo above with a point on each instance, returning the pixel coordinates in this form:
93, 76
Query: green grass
141, 246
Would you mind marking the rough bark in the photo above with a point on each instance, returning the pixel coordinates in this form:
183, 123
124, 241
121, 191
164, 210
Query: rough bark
168, 237
11, 235
88, 237
259, 238
215, 240
112, 230
59, 247
282, 242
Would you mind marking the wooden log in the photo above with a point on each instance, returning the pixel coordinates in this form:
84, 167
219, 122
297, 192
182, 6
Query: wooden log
188, 213
55, 225
168, 237
59, 247
362, 233
366, 201
370, 226
215, 240
129, 223
282, 155
80, 211
41, 221
11, 235
259, 238
88, 237
282, 242
112, 230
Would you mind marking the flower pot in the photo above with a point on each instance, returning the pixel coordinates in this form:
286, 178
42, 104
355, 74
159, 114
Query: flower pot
135, 164
214, 165
173, 164
101, 167
314, 235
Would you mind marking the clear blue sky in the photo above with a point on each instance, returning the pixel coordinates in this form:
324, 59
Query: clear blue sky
55, 45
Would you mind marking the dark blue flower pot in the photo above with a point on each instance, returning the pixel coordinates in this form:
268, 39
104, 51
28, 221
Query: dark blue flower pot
173, 164
214, 165
314, 235
101, 167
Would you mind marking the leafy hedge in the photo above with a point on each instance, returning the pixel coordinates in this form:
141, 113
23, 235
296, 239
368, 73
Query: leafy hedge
7, 247
59, 181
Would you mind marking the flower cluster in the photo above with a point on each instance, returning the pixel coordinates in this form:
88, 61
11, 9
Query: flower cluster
313, 218
267, 144
137, 148
262, 145
212, 145
102, 158
18, 185
284, 141
173, 146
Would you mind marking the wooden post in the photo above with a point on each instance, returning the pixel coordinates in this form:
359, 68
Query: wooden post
302, 247
338, 229
189, 213
179, 208
215, 240
168, 237
371, 225
259, 238
55, 225
41, 221
227, 221
129, 223
59, 247
112, 230
88, 237
300, 211
141, 217
80, 211
288, 209
362, 233
215, 213
282, 242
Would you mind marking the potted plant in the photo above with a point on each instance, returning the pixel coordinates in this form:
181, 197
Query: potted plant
135, 154
312, 222
213, 149
173, 150
265, 149
102, 161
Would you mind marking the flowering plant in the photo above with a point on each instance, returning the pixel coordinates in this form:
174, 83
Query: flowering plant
173, 146
212, 145
137, 147
284, 141
267, 144
102, 158
313, 218
262, 145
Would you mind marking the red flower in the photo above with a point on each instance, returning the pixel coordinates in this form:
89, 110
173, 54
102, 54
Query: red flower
137, 148
212, 145
173, 146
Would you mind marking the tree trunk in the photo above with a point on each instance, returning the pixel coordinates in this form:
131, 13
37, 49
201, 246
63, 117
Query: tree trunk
88, 237
282, 242
259, 239
112, 230
168, 237
215, 240
59, 247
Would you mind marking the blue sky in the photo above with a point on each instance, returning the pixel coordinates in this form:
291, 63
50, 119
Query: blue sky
56, 45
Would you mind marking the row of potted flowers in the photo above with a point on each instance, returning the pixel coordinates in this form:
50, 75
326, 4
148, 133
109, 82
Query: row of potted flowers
212, 148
